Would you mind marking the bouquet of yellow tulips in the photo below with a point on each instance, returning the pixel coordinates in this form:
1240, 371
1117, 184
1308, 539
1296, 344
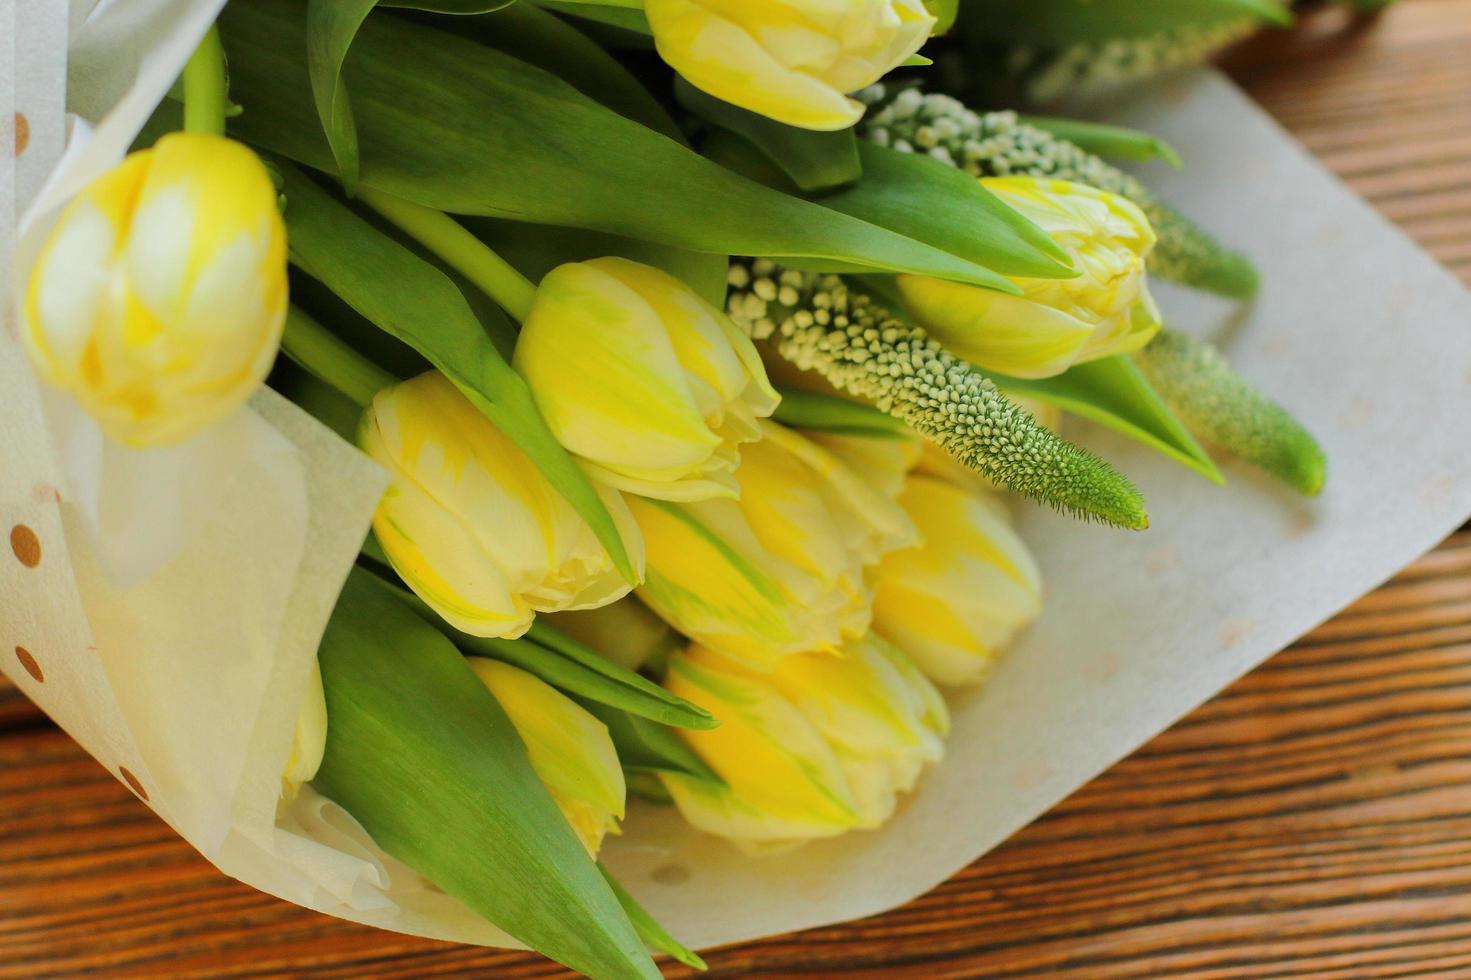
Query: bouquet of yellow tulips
707, 346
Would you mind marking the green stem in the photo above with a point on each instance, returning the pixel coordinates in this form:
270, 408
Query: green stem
321, 352
204, 87
467, 254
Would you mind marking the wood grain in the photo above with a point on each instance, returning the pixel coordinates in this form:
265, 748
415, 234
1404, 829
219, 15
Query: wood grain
1313, 820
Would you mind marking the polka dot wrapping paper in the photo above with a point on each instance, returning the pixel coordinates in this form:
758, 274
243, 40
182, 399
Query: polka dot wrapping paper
184, 682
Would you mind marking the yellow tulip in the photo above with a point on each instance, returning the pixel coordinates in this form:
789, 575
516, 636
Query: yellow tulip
569, 749
470, 523
792, 60
882, 461
159, 298
957, 599
649, 384
819, 745
1105, 310
780, 571
308, 739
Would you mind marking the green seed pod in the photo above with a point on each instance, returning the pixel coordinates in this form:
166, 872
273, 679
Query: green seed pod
1220, 406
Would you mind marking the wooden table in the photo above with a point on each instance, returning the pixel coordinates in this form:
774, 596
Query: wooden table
1313, 820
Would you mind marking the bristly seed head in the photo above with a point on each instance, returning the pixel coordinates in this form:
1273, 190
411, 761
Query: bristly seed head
862, 349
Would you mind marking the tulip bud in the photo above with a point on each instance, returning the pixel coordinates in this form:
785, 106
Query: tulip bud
309, 740
821, 744
159, 298
471, 524
883, 462
1055, 323
570, 750
955, 601
792, 60
653, 387
780, 571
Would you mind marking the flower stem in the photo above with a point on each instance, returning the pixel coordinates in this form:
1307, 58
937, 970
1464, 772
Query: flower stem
467, 254
204, 87
321, 352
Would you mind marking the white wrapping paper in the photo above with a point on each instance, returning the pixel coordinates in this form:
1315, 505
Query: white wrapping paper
185, 678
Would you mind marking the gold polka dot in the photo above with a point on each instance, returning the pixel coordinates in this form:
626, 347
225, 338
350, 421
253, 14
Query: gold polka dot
132, 781
22, 133
29, 663
26, 545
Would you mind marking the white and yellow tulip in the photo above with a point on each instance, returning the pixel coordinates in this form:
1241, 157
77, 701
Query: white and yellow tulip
821, 744
159, 298
792, 60
782, 570
471, 524
642, 379
1105, 310
308, 738
958, 598
570, 750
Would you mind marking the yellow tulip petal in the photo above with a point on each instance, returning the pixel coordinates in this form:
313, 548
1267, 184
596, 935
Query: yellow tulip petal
569, 749
159, 299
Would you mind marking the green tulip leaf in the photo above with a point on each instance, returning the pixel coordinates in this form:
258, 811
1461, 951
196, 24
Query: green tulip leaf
455, 126
649, 930
409, 298
814, 161
822, 412
627, 16
539, 38
331, 27
1104, 140
423, 756
582, 673
915, 196
535, 250
1114, 392
647, 746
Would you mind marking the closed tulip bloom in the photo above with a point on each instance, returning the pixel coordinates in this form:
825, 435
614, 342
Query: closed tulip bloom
1105, 310
881, 461
645, 381
569, 749
958, 598
782, 570
792, 60
308, 738
471, 524
822, 744
159, 298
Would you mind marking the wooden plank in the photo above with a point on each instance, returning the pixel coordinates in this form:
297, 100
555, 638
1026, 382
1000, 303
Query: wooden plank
1310, 821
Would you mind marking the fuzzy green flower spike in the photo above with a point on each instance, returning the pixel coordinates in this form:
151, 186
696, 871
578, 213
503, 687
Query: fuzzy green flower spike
1094, 69
997, 144
815, 322
1219, 406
